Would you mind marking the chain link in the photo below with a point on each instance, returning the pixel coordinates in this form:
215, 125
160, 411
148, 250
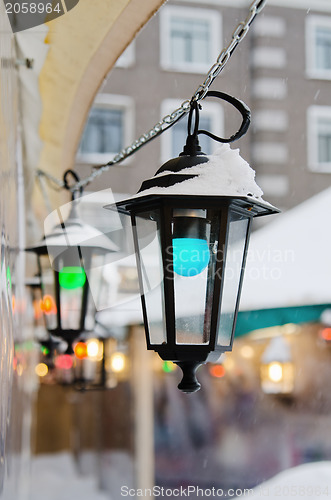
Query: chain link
237, 36
167, 121
41, 173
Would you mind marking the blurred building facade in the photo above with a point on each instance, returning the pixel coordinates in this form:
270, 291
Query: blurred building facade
282, 70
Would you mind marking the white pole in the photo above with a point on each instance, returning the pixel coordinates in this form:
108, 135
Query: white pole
143, 410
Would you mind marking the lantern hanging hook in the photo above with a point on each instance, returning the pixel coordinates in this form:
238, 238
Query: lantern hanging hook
192, 147
70, 188
195, 106
240, 106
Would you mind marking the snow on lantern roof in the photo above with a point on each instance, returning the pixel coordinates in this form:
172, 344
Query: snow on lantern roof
71, 233
225, 173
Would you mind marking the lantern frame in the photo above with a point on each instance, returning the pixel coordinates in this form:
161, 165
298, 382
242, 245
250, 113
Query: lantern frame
188, 356
225, 206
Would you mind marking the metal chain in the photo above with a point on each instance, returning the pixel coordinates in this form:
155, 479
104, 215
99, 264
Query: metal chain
41, 181
237, 36
41, 173
167, 121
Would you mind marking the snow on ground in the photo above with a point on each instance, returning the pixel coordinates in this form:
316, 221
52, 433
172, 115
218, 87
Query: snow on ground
55, 477
311, 481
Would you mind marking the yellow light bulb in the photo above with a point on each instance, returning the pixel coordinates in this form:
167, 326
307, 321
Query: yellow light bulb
117, 362
275, 371
41, 369
93, 346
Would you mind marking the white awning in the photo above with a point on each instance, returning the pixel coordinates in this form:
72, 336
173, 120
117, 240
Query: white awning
289, 260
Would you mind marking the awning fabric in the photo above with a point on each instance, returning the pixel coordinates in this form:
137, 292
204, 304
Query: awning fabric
248, 321
72, 55
289, 259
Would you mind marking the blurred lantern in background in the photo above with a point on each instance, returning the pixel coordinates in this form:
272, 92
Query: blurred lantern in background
96, 363
277, 368
89, 363
70, 261
117, 362
199, 228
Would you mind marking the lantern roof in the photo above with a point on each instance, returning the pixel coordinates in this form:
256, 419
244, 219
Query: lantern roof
277, 350
225, 174
73, 232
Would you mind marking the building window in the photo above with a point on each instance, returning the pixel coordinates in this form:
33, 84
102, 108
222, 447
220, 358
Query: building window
318, 39
319, 138
109, 128
190, 38
173, 140
127, 58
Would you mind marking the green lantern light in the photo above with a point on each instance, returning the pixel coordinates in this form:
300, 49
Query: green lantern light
168, 366
72, 277
8, 275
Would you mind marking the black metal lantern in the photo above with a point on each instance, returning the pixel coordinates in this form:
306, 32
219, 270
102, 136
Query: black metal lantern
70, 261
200, 234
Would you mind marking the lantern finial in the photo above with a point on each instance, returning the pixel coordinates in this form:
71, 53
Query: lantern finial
189, 382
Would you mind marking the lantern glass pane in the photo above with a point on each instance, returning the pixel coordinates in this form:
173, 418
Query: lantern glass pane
190, 295
48, 304
237, 236
191, 264
72, 281
97, 296
149, 261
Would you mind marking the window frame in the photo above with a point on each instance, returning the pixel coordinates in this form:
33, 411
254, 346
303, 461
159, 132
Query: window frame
212, 16
313, 114
215, 110
312, 23
111, 101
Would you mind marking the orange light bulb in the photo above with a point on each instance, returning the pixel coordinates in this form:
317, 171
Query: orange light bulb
217, 371
48, 305
80, 350
326, 334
